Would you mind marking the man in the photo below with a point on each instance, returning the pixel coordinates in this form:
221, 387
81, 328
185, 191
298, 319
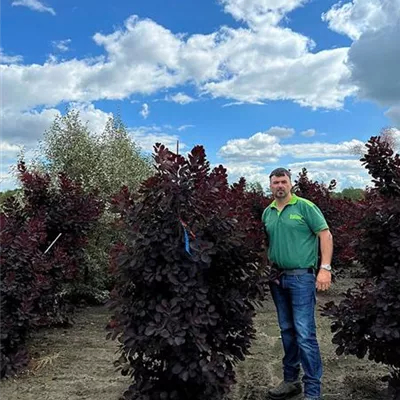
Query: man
295, 227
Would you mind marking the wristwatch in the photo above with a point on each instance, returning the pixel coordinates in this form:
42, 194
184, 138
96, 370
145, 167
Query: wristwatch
326, 266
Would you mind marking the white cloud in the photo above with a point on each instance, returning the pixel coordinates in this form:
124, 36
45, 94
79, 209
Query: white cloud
322, 150
259, 12
394, 114
8, 164
309, 79
6, 147
145, 111
244, 65
7, 181
309, 133
95, 118
239, 103
347, 173
25, 87
25, 128
244, 169
251, 172
265, 148
396, 135
7, 59
61, 45
147, 137
180, 98
34, 5
280, 132
374, 56
331, 165
358, 16
184, 127
260, 147
393, 136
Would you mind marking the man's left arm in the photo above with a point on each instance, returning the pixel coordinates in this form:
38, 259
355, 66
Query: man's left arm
324, 277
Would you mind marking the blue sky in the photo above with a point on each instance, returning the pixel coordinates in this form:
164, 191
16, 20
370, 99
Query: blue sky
259, 83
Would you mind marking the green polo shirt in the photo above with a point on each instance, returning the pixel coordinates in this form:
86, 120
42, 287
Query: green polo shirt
293, 240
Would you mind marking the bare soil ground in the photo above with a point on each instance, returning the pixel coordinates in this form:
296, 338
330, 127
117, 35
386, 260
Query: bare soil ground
77, 363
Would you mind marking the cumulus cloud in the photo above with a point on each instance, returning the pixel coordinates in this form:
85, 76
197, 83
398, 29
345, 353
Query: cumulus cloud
322, 150
251, 172
265, 148
34, 5
280, 132
180, 98
392, 135
358, 16
61, 45
309, 133
8, 59
143, 57
184, 127
276, 64
374, 56
6, 147
146, 137
7, 180
26, 128
259, 12
95, 118
347, 173
328, 165
260, 147
394, 114
145, 111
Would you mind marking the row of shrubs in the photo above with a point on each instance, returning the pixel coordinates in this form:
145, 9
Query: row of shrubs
191, 269
184, 315
34, 276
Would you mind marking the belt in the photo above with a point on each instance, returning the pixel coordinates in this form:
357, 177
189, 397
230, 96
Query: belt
297, 271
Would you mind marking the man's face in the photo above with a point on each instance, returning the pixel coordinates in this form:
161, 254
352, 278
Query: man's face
280, 186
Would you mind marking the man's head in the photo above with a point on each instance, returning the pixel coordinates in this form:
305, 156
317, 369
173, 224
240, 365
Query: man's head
280, 183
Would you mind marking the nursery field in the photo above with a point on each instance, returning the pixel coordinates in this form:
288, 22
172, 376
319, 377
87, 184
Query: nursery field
77, 363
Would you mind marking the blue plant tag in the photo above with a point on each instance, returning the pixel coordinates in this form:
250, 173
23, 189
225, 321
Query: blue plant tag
187, 247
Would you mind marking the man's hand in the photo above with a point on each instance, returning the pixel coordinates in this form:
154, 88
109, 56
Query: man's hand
324, 280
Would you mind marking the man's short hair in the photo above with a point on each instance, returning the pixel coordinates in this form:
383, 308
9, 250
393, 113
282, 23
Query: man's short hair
280, 172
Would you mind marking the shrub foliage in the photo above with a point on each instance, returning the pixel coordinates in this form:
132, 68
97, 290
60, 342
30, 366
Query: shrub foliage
367, 321
32, 282
188, 280
342, 216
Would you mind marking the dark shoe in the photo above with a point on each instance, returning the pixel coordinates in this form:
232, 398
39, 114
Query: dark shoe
285, 390
312, 398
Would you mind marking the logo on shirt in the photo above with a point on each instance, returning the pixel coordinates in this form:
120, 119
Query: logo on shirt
295, 216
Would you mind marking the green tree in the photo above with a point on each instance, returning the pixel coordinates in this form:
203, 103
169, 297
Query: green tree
350, 193
123, 162
255, 187
104, 161
7, 194
101, 161
353, 193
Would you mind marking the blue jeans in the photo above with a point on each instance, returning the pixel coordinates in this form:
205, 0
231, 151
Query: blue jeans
295, 299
